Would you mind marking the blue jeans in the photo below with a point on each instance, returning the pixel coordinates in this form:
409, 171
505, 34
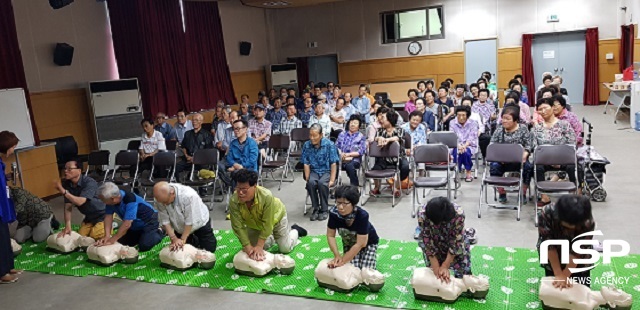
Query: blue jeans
352, 171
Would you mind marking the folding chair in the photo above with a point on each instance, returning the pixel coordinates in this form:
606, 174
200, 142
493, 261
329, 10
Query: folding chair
171, 145
390, 150
408, 144
449, 139
124, 161
429, 154
547, 155
161, 160
133, 145
276, 144
405, 115
209, 159
507, 154
99, 160
298, 137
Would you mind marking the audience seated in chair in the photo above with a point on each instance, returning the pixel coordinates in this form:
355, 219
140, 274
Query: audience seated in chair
242, 154
487, 111
386, 135
223, 125
290, 122
260, 128
81, 192
322, 119
338, 117
258, 219
161, 126
320, 159
417, 129
467, 132
184, 216
182, 125
151, 143
352, 146
139, 220
195, 139
276, 115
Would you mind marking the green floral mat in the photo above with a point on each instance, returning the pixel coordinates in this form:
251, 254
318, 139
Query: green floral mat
514, 273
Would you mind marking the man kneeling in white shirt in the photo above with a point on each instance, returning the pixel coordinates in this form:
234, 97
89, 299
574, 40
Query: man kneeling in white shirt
184, 216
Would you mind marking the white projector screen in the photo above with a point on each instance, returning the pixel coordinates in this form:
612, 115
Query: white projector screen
14, 116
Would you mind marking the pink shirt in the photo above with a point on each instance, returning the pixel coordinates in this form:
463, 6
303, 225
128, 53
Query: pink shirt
409, 106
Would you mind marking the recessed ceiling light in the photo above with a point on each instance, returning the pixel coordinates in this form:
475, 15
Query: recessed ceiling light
276, 3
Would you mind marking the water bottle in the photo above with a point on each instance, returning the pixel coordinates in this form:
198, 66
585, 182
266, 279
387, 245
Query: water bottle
638, 121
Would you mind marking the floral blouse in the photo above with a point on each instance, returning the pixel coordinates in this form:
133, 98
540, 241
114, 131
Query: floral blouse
397, 132
352, 142
549, 227
560, 133
520, 136
444, 238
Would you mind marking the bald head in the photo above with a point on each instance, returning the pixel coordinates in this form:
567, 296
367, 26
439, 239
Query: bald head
163, 193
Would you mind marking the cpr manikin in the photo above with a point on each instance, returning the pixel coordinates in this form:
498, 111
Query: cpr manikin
244, 265
15, 248
347, 277
108, 255
68, 243
186, 258
581, 297
426, 286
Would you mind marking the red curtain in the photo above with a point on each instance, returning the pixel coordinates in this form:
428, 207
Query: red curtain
11, 67
591, 87
626, 47
302, 67
527, 67
207, 70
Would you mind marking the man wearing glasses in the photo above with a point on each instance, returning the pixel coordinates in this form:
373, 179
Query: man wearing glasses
242, 153
259, 219
81, 191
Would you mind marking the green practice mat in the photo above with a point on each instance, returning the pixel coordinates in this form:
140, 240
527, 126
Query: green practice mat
513, 273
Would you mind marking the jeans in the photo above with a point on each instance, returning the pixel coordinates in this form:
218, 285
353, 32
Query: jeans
145, 238
465, 159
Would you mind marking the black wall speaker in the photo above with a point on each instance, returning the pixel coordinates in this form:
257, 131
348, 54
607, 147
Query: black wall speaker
57, 4
245, 48
63, 54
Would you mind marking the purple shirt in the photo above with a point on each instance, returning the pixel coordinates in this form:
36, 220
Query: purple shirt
468, 132
485, 109
259, 128
410, 106
348, 142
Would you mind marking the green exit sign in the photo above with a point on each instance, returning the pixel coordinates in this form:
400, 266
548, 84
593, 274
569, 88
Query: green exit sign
553, 18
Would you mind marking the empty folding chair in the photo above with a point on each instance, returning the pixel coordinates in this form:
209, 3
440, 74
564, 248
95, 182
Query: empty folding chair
205, 159
276, 144
404, 115
133, 145
171, 145
449, 139
298, 137
507, 154
125, 160
548, 155
390, 150
161, 161
428, 155
98, 165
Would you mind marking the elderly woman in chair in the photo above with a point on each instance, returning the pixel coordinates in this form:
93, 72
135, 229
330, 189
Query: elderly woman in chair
513, 132
388, 134
467, 132
552, 131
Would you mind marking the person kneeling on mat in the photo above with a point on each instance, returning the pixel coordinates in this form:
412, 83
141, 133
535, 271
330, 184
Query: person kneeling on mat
443, 240
184, 216
258, 218
139, 220
359, 237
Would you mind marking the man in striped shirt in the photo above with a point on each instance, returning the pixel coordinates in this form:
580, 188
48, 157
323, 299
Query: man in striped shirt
290, 122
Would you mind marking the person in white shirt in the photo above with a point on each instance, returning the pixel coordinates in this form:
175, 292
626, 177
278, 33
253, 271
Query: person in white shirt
338, 117
322, 119
184, 216
151, 143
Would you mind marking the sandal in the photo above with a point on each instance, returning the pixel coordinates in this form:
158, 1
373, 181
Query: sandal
397, 193
12, 279
16, 271
468, 179
374, 192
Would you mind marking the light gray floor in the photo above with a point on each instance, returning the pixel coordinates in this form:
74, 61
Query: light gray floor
616, 218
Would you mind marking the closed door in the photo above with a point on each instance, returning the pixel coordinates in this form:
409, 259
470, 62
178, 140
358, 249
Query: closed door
323, 69
561, 54
480, 56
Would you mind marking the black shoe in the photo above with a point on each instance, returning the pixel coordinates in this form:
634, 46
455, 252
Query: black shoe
301, 231
323, 216
55, 224
314, 216
332, 196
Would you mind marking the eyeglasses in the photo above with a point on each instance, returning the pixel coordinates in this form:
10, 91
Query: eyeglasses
242, 190
342, 204
236, 129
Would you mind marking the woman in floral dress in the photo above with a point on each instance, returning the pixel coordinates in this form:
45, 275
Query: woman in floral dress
444, 243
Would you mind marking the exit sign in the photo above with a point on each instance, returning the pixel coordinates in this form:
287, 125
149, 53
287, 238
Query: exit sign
553, 18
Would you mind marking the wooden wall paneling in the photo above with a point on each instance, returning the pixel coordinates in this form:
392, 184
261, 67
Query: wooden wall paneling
248, 82
608, 68
39, 170
509, 64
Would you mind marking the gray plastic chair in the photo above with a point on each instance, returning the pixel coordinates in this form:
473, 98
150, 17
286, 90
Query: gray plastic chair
209, 159
161, 160
390, 150
548, 155
508, 154
429, 154
99, 161
125, 160
276, 144
449, 139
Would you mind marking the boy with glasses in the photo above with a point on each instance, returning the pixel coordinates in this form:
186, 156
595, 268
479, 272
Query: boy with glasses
359, 237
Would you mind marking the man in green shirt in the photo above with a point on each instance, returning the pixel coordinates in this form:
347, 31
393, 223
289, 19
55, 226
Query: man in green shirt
259, 219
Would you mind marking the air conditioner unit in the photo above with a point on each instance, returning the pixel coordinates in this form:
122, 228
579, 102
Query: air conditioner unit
282, 76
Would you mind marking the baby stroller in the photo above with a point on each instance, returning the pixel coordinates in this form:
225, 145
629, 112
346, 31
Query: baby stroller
592, 165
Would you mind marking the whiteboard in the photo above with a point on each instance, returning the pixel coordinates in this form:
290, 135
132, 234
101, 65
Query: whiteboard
14, 116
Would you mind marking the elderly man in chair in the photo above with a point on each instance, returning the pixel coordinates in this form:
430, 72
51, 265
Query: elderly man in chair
140, 220
259, 219
320, 159
184, 216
